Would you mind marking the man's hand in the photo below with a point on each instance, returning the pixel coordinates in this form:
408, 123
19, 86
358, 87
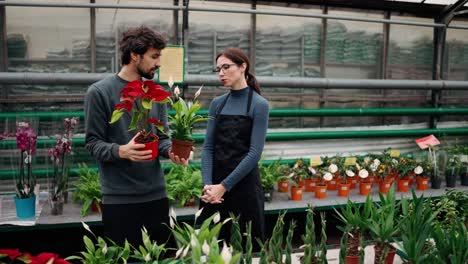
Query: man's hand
133, 151
177, 160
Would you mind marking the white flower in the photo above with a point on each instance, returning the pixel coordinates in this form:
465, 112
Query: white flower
184, 253
328, 176
367, 160
418, 170
172, 213
291, 175
198, 93
147, 257
358, 167
86, 226
377, 162
205, 248
350, 173
177, 91
170, 82
296, 165
193, 241
312, 170
226, 254
333, 168
179, 251
363, 173
104, 249
197, 231
394, 161
374, 167
216, 218
197, 214
227, 220
171, 222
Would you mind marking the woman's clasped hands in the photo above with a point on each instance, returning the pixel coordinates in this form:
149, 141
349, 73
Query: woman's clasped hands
213, 193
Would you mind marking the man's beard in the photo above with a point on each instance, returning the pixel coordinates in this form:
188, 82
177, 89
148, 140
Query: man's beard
147, 75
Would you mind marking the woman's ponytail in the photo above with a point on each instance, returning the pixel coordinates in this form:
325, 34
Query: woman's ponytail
252, 82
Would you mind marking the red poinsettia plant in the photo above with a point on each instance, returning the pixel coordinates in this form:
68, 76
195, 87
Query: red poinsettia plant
15, 256
137, 99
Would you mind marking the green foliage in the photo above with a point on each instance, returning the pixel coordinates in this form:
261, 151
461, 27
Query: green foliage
451, 244
236, 236
415, 229
309, 240
248, 244
150, 251
101, 252
271, 174
289, 237
88, 189
322, 259
452, 205
182, 122
183, 184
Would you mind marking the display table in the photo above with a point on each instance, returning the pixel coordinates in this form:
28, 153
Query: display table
281, 202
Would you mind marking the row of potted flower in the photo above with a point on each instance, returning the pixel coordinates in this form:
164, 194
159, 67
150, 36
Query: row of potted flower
342, 174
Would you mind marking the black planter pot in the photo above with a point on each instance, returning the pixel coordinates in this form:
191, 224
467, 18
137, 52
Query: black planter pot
451, 180
464, 179
268, 196
436, 182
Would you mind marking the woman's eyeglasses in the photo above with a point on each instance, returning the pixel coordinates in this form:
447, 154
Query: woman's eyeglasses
223, 67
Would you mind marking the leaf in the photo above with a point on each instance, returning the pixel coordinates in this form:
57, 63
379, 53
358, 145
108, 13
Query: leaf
116, 115
146, 103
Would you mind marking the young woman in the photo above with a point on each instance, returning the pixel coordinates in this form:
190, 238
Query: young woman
233, 146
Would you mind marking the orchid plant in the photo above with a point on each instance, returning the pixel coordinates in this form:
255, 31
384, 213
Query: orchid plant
138, 98
26, 139
58, 156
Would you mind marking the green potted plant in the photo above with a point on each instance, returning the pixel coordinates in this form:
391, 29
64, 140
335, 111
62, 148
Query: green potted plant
452, 170
354, 227
383, 226
415, 230
25, 199
270, 175
439, 160
450, 243
308, 238
181, 124
88, 190
184, 185
137, 99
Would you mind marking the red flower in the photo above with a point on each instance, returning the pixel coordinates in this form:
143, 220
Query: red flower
155, 121
126, 104
11, 253
45, 257
133, 89
156, 94
151, 85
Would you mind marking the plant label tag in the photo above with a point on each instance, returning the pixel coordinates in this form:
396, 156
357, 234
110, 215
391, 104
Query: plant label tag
315, 161
425, 142
394, 153
349, 161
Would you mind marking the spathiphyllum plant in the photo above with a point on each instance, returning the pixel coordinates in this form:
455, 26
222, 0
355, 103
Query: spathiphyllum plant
137, 99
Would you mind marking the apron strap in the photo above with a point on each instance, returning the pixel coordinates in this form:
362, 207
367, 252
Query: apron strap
249, 101
220, 108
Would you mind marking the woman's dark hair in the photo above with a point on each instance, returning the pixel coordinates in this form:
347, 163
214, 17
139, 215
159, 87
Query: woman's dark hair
237, 56
139, 40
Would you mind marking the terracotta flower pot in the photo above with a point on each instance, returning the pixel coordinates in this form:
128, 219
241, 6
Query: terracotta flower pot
354, 181
343, 189
422, 183
403, 185
384, 185
332, 185
321, 191
296, 193
390, 255
301, 184
182, 148
283, 186
310, 185
352, 259
151, 145
365, 188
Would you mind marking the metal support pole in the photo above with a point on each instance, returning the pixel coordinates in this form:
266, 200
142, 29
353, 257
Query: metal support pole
185, 39
92, 39
3, 53
253, 37
384, 57
175, 24
323, 46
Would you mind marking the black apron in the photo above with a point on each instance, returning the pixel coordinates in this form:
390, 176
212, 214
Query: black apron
245, 199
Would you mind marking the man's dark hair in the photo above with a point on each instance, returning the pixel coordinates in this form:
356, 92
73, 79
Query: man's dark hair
139, 40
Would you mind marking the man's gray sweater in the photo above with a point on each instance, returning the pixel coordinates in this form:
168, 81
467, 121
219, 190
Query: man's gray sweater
123, 181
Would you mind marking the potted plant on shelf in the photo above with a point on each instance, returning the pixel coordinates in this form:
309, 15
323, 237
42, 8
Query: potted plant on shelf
58, 156
366, 165
452, 170
439, 160
181, 124
269, 176
298, 174
138, 98
184, 185
88, 190
404, 167
422, 179
25, 199
345, 185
